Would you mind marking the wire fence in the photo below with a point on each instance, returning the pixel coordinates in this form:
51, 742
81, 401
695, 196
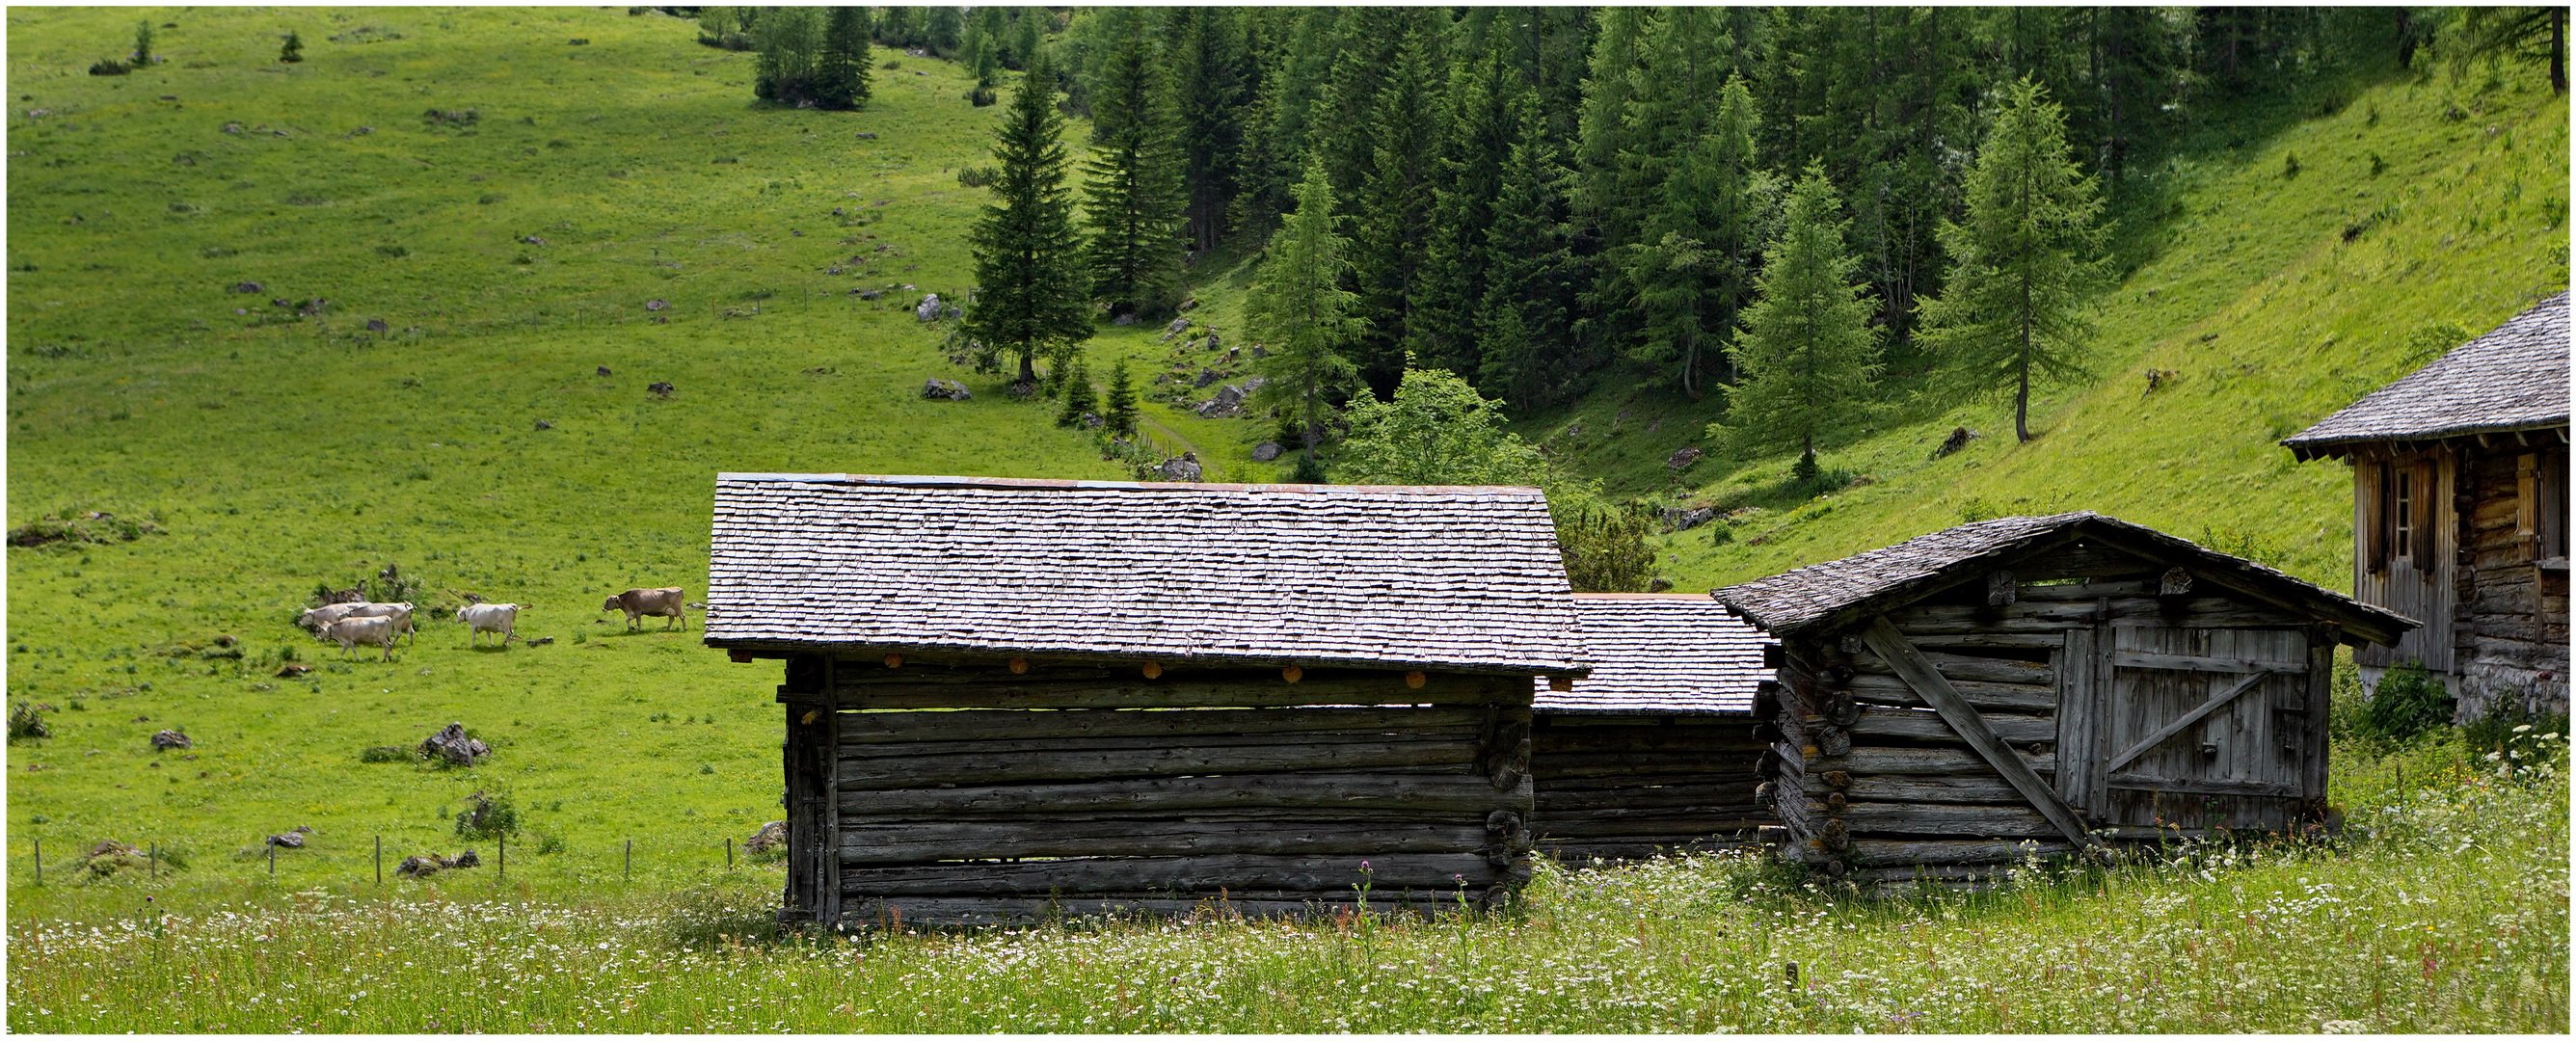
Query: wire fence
372, 861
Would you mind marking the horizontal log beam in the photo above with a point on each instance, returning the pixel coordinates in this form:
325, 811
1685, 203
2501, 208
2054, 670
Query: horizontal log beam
982, 911
862, 773
918, 843
1728, 792
1989, 789
1136, 692
1737, 738
2203, 663
1427, 792
2204, 786
1934, 819
1888, 689
1920, 762
2021, 617
1886, 853
1389, 872
1922, 725
898, 727
1970, 667
894, 753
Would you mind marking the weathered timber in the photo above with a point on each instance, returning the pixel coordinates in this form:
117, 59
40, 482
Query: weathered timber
1921, 762
2086, 591
2204, 785
1888, 689
1236, 873
918, 842
1924, 725
889, 753
1971, 667
1645, 780
2184, 721
1728, 739
2079, 715
1021, 724
1180, 693
1999, 588
1606, 803
1889, 853
2203, 612
1936, 819
808, 771
1897, 788
1920, 673
1976, 641
873, 772
2202, 663
2030, 617
1677, 829
989, 911
1459, 791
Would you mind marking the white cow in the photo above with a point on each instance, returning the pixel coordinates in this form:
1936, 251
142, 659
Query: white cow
400, 613
324, 615
488, 618
378, 631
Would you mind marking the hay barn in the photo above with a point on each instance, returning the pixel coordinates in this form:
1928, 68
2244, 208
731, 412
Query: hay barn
2459, 514
1008, 699
2039, 684
1654, 751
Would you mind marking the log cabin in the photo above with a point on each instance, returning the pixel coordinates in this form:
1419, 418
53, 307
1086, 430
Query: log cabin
2459, 514
1654, 751
1006, 700
2033, 685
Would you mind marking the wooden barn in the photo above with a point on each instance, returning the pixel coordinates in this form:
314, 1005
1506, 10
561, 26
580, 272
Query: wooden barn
1008, 699
2459, 514
1654, 751
2052, 681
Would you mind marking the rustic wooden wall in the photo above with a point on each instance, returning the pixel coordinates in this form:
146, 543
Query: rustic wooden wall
2094, 652
2508, 633
1621, 787
2418, 587
1076, 790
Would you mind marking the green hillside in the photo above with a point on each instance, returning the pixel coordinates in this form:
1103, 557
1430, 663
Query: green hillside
512, 253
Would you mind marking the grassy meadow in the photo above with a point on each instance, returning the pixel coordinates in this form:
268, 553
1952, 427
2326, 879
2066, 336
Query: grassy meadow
2443, 910
472, 441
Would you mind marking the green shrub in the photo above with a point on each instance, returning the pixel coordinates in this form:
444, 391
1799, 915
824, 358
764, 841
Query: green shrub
27, 721
387, 754
487, 817
2407, 703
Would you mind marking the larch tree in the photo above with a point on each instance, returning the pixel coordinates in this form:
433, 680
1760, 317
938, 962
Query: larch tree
1132, 190
1299, 309
2025, 261
1031, 297
1807, 352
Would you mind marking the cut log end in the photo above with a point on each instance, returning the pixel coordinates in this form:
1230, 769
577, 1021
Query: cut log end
894, 661
1153, 670
1019, 666
1415, 680
1292, 674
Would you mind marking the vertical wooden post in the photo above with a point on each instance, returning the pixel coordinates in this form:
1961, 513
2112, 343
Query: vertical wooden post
728, 852
504, 870
272, 860
630, 860
152, 864
380, 860
828, 844
40, 862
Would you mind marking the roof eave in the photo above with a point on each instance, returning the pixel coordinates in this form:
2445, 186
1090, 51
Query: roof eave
782, 648
2305, 449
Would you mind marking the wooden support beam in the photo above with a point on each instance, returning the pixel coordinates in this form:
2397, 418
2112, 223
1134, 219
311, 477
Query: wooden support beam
2184, 721
1909, 663
2202, 663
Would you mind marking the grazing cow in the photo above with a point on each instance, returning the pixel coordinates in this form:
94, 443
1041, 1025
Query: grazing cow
324, 615
669, 603
400, 613
374, 632
488, 618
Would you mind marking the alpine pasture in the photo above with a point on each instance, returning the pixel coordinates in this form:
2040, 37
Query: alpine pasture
508, 203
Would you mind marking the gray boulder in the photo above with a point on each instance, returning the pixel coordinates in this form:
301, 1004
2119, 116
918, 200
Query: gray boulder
770, 836
1185, 468
1265, 451
1684, 518
937, 389
929, 308
453, 746
1682, 459
171, 739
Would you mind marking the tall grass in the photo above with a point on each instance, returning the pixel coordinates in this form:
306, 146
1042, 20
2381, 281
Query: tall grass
2442, 908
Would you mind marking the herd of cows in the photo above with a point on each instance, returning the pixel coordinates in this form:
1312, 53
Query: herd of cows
367, 624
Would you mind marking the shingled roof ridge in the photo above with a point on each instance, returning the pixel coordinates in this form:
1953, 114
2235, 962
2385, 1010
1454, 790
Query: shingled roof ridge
1057, 484
2454, 395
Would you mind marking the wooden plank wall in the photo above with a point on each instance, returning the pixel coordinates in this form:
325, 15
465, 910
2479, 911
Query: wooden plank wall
1099, 789
2509, 635
1624, 787
2427, 596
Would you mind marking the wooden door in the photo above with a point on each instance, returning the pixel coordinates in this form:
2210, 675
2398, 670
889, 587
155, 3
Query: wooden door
2202, 728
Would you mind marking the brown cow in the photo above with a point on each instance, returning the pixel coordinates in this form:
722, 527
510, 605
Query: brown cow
669, 603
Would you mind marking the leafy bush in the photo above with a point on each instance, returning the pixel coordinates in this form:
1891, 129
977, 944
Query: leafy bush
2407, 703
487, 817
387, 754
78, 526
27, 721
974, 176
1605, 548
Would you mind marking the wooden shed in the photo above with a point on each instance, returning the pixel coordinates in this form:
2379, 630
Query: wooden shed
1654, 751
1007, 699
2459, 513
2055, 681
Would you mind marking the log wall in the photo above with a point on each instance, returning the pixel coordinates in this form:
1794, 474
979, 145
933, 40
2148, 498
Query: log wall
2508, 631
2092, 651
1624, 787
1079, 789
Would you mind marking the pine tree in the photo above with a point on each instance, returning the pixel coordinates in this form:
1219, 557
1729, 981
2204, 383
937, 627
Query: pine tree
1030, 297
1689, 273
1208, 79
1132, 191
942, 30
293, 50
1120, 410
1028, 28
1080, 398
1300, 310
1525, 328
143, 43
898, 27
2024, 261
1807, 351
1283, 107
1396, 197
790, 41
1483, 96
842, 71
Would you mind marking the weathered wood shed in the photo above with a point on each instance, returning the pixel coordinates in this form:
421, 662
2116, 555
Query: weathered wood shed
1006, 699
2459, 513
1654, 751
2059, 680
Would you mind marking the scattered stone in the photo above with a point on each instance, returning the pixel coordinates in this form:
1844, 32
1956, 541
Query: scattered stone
1659, 585
533, 240
656, 304
1185, 468
312, 307
928, 309
869, 294
1958, 439
452, 745
1187, 303
1684, 518
543, 425
869, 135
660, 389
1091, 421
111, 857
603, 372
378, 325
426, 865
249, 287
770, 836
538, 642
1178, 326
1265, 451
166, 740
289, 839
1259, 351
1207, 376
1212, 341
937, 389
232, 128
1123, 318
1682, 459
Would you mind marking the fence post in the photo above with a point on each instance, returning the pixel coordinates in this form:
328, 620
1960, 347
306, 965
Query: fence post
728, 852
505, 858
630, 860
40, 862
272, 860
380, 860
152, 865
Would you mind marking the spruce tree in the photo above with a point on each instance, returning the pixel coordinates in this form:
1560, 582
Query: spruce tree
1807, 351
1120, 410
1028, 28
2025, 261
1284, 106
1080, 398
1208, 79
1030, 294
841, 72
942, 29
1525, 328
143, 43
1396, 197
1483, 94
1689, 273
1299, 309
1132, 192
292, 50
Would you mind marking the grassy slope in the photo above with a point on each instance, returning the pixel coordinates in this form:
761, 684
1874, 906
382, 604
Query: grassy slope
281, 453
2252, 297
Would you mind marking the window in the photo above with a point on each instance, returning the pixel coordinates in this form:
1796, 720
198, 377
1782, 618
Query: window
2402, 514
2550, 520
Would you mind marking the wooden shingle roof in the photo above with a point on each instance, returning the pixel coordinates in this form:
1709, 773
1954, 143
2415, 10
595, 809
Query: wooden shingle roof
1460, 579
1840, 591
2511, 379
1658, 654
